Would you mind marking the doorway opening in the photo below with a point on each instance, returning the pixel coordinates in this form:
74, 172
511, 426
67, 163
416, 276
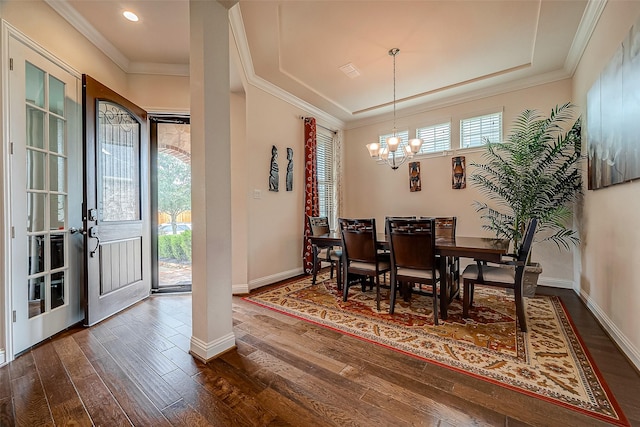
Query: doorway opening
171, 203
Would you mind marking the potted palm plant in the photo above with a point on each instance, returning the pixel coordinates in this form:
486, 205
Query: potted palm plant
534, 173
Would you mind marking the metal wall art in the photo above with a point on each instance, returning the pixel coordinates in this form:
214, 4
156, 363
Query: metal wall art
290, 169
274, 179
458, 173
415, 184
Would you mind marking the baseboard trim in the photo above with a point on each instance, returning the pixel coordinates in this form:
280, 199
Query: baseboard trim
207, 351
268, 280
629, 350
240, 289
556, 283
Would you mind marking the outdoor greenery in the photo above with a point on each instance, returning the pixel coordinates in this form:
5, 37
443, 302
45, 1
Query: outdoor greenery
174, 186
175, 246
533, 174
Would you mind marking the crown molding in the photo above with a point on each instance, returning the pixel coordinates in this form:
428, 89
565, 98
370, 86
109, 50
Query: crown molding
586, 28
82, 25
237, 27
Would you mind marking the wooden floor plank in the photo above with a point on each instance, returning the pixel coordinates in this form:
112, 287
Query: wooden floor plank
7, 417
30, 402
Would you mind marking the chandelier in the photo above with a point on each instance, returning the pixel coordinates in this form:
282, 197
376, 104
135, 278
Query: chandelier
390, 153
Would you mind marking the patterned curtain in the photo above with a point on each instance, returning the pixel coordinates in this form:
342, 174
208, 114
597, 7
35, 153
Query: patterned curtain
311, 203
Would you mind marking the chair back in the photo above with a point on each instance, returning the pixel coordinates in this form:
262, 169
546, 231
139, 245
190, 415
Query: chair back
527, 241
359, 239
446, 227
319, 225
412, 243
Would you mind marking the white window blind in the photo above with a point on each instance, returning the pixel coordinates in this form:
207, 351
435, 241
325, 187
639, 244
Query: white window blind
434, 138
404, 139
325, 168
474, 131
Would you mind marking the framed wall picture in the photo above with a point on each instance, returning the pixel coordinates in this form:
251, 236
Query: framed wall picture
414, 177
458, 173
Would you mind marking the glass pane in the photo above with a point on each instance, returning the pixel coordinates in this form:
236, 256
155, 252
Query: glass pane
56, 135
56, 96
57, 211
119, 156
35, 170
36, 203
36, 296
57, 251
35, 128
57, 174
36, 254
57, 289
34, 85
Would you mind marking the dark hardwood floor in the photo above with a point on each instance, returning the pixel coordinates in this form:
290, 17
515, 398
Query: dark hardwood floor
134, 369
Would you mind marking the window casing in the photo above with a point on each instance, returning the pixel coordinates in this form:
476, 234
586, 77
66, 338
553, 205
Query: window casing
434, 138
475, 131
325, 170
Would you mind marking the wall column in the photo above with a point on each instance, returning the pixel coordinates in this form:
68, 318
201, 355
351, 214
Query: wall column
211, 180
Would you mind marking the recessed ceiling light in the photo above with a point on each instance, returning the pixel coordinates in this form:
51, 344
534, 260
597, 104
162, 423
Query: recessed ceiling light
130, 16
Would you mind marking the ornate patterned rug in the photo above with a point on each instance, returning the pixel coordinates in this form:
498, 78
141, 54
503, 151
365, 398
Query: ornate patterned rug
548, 362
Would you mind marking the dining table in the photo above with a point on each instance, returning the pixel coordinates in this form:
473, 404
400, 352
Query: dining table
478, 248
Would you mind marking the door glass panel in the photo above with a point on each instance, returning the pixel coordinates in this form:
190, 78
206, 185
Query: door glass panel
35, 170
57, 173
119, 164
35, 127
57, 251
57, 289
36, 254
36, 296
35, 211
34, 85
56, 96
56, 135
58, 212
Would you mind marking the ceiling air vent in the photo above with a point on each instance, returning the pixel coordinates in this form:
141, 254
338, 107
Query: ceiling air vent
350, 70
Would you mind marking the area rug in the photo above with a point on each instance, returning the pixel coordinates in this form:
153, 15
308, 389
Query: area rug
549, 362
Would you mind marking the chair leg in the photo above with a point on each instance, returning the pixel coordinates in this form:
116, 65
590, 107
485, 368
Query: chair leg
435, 299
392, 295
520, 308
339, 275
466, 299
378, 292
331, 273
315, 264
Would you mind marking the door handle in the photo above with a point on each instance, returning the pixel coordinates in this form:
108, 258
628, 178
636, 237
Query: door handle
74, 230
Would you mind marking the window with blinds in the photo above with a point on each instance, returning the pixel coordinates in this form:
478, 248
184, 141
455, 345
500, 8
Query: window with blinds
434, 138
404, 139
474, 131
325, 168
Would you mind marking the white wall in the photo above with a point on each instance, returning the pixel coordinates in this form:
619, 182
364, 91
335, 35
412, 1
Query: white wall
375, 190
610, 253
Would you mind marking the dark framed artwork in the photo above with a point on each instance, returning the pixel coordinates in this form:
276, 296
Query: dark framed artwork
274, 178
415, 184
612, 125
458, 173
289, 178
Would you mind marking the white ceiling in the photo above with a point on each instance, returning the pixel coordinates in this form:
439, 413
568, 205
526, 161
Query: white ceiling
449, 50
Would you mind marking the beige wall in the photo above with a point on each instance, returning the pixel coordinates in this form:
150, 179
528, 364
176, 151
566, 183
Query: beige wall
375, 190
608, 279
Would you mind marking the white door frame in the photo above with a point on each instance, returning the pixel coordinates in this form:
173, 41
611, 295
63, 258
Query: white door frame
6, 321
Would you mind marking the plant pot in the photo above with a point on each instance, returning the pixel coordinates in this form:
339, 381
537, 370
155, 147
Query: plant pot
531, 273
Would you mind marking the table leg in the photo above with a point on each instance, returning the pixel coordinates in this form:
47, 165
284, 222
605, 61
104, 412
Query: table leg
444, 287
315, 263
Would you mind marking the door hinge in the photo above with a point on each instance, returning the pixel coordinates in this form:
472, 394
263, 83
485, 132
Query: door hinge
13, 232
14, 316
10, 64
11, 147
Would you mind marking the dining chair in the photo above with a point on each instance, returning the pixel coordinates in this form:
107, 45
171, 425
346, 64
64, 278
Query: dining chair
446, 229
510, 278
319, 225
414, 267
360, 255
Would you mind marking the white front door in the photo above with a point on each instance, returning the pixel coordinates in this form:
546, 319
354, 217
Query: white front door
45, 175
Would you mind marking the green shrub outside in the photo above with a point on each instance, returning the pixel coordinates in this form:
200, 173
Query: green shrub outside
175, 246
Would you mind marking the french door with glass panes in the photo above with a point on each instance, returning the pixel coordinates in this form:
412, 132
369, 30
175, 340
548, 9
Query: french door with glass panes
46, 195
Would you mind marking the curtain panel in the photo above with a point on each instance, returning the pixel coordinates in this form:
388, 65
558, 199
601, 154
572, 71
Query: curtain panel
311, 202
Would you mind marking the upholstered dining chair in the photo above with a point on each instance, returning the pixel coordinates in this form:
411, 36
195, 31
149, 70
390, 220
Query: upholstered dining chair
412, 244
360, 255
446, 229
511, 278
319, 225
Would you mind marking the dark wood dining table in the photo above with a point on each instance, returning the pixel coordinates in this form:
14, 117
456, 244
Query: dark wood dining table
478, 248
